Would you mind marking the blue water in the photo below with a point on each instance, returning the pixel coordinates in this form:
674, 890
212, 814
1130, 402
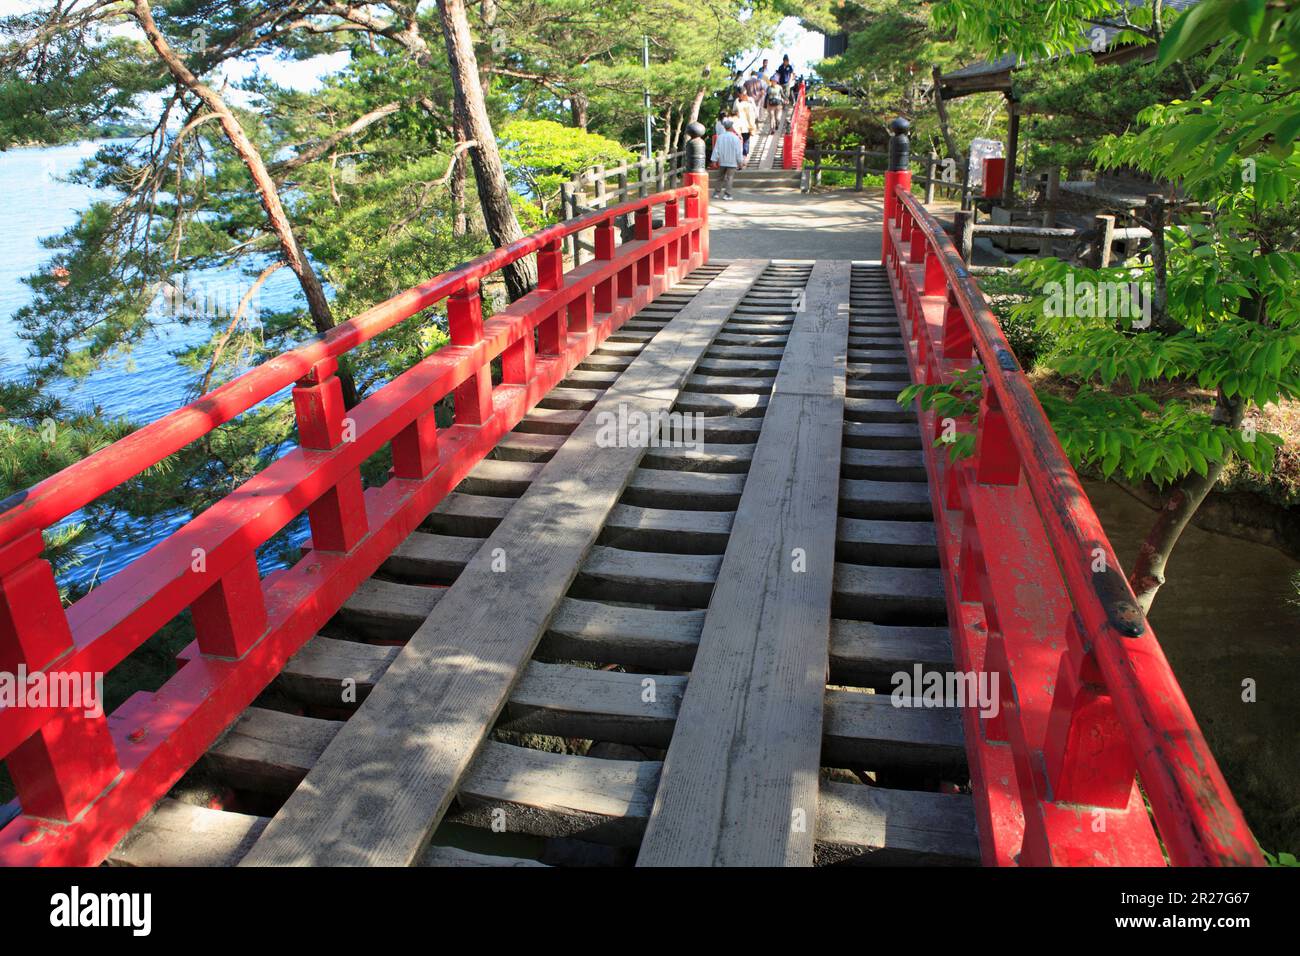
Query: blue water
144, 384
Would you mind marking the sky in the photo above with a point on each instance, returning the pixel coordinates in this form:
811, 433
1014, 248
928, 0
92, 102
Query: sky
803, 46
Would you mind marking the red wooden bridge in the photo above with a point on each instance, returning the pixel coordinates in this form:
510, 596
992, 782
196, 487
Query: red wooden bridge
669, 588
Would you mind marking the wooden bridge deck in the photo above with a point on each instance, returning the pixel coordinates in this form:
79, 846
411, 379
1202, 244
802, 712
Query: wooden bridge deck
663, 655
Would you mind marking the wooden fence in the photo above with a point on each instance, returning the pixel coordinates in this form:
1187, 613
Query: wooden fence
599, 187
856, 161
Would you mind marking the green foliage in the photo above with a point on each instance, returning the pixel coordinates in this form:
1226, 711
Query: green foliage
891, 50
1072, 103
1281, 859
952, 401
1031, 28
545, 154
1028, 338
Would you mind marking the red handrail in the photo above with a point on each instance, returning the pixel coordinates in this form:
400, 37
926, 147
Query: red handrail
83, 779
1112, 708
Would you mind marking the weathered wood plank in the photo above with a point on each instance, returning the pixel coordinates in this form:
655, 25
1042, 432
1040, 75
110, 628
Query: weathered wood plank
182, 834
876, 825
739, 784
385, 611
558, 795
453, 856
631, 636
563, 700
385, 781
869, 731
889, 595
868, 655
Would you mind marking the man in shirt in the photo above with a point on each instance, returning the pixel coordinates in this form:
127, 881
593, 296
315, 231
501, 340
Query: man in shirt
784, 72
728, 153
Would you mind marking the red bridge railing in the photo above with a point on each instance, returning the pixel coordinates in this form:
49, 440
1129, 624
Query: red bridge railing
84, 780
1089, 707
797, 138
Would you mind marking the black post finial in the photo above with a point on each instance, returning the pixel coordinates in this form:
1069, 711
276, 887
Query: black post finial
695, 148
899, 144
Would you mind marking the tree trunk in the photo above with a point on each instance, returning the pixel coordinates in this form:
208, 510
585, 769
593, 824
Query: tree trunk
252, 159
696, 104
578, 110
317, 304
472, 116
1177, 512
942, 110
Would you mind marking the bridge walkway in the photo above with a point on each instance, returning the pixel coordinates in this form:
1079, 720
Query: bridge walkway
595, 647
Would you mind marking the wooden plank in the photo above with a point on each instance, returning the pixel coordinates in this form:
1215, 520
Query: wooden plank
889, 595
739, 784
182, 834
897, 543
452, 856
563, 700
544, 794
267, 751
385, 781
868, 655
869, 731
386, 611
631, 636
876, 825
667, 531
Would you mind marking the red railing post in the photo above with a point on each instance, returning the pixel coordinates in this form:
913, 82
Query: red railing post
697, 207
338, 516
673, 249
644, 229
998, 462
605, 291
935, 282
550, 278
415, 447
472, 399
957, 340
1088, 757
697, 204
917, 252
230, 616
580, 312
70, 760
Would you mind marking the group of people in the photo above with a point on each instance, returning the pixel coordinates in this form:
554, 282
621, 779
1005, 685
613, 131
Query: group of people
762, 93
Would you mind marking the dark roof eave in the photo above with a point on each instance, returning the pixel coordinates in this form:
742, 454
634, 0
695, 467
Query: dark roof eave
998, 80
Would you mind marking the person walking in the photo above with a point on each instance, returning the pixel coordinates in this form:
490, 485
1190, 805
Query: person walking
746, 119
754, 86
785, 72
729, 154
775, 102
762, 72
